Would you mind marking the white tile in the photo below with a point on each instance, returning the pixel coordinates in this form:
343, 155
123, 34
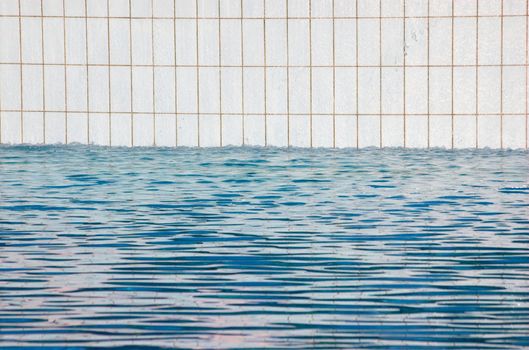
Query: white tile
368, 131
75, 40
441, 131
392, 130
276, 43
187, 131
489, 40
77, 128
32, 93
9, 7
253, 41
254, 90
490, 8
165, 130
254, 130
53, 40
208, 8
119, 41
186, 42
368, 90
275, 8
514, 88
345, 42
185, 8
208, 42
120, 89
416, 41
232, 128
322, 131
416, 90
99, 125
368, 42
465, 7
143, 129
514, 7
416, 131
30, 7
345, 90
97, 40
209, 89
277, 130
229, 8
299, 8
231, 90
141, 8
322, 8
98, 84
164, 42
97, 8
141, 30
121, 129
164, 90
464, 131
514, 31
392, 8
322, 90
299, 131
465, 41
142, 89
299, 93
253, 8
392, 41
464, 90
186, 90
276, 90
440, 41
209, 131
416, 8
230, 37
31, 40
76, 88
344, 8
9, 50
345, 131
392, 90
119, 8
441, 7
298, 42
514, 131
74, 8
322, 42
55, 127
11, 127
489, 131
51, 7
54, 88
440, 90
33, 126
10, 86
368, 8
489, 89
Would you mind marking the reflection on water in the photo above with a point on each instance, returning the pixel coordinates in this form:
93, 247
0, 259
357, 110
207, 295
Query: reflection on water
250, 248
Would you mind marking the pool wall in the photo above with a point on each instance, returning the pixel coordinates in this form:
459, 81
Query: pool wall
320, 73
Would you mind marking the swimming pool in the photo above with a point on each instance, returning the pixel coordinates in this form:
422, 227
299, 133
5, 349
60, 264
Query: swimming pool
255, 248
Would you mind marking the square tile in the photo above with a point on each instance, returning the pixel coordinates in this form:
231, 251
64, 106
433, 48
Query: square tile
142, 90
489, 131
208, 42
75, 41
209, 131
209, 90
417, 131
322, 42
77, 128
55, 128
186, 90
416, 90
9, 50
392, 41
97, 31
322, 131
121, 129
345, 131
33, 126
165, 130
299, 131
276, 90
275, 8
254, 95
298, 42
186, 42
276, 43
441, 131
120, 83
11, 132
96, 8
393, 90
54, 88
299, 93
345, 90
143, 130
164, 90
368, 90
99, 125
232, 130
514, 30
163, 8
141, 31
32, 92
489, 89
76, 88
392, 131
98, 89
231, 90
465, 131
514, 89
53, 40
31, 40
277, 130
164, 42
10, 93
368, 131
230, 37
187, 130
322, 90
465, 41
254, 130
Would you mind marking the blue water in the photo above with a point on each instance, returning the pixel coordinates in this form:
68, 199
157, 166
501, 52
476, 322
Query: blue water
263, 248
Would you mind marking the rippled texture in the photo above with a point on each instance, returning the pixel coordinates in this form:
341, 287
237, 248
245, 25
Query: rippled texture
260, 248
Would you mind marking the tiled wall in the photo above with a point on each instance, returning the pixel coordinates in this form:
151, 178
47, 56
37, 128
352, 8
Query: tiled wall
333, 73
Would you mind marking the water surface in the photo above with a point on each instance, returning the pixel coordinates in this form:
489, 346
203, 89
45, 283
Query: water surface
263, 248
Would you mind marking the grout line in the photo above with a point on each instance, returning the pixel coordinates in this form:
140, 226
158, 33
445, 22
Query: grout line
380, 73
197, 73
477, 74
452, 79
404, 73
310, 72
288, 76
357, 85
220, 73
333, 76
153, 77
428, 75
43, 75
265, 71
87, 81
109, 78
242, 72
131, 77
175, 75
65, 72
21, 74
501, 76
526, 71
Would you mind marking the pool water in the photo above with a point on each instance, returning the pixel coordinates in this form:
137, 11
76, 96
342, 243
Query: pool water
263, 248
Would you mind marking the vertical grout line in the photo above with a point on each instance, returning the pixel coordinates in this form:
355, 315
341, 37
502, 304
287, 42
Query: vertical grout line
43, 74
220, 73
333, 74
428, 75
404, 71
87, 81
501, 75
197, 73
131, 78
265, 84
380, 72
288, 75
65, 72
242, 72
21, 74
452, 78
175, 75
526, 70
477, 73
153, 77
310, 71
109, 78
356, 82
